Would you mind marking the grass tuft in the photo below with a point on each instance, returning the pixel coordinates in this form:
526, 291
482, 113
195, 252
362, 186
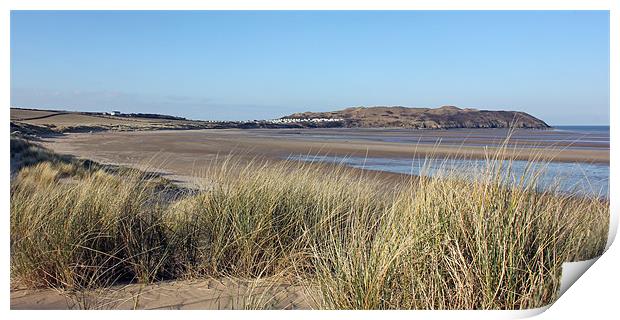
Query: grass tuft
352, 238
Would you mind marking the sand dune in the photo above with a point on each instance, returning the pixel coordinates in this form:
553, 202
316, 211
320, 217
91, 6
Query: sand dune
181, 155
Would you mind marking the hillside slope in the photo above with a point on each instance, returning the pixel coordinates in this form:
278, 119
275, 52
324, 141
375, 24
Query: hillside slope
445, 117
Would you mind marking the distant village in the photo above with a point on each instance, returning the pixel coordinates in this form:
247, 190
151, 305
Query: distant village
282, 121
270, 121
296, 120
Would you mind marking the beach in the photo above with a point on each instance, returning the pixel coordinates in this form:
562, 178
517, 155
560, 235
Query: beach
245, 233
181, 153
387, 157
306, 160
219, 294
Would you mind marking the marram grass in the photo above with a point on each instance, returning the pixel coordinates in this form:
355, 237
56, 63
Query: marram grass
353, 240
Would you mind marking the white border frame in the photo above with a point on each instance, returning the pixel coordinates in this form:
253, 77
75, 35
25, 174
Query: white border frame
592, 295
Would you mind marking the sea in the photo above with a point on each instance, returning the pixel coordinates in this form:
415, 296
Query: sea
588, 178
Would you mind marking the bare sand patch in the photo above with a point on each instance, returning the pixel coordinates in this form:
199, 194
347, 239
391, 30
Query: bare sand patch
207, 294
184, 152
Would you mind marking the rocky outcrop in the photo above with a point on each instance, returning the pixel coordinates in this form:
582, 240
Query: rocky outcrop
445, 117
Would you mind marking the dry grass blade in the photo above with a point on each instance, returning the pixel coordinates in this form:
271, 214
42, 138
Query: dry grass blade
352, 239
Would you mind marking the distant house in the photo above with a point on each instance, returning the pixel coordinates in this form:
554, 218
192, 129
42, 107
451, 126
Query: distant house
114, 113
299, 120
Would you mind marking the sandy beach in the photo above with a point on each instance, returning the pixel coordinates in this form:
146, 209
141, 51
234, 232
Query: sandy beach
182, 153
208, 294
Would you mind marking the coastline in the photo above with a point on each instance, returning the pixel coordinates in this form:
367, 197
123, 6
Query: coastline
253, 144
283, 294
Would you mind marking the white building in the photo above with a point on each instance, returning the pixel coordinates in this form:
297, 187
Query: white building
294, 120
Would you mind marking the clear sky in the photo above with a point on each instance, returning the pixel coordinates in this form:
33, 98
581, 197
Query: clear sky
258, 65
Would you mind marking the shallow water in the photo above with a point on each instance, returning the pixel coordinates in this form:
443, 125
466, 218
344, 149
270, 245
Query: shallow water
564, 137
580, 178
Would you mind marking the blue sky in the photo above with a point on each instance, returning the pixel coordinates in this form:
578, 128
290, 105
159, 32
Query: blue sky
257, 65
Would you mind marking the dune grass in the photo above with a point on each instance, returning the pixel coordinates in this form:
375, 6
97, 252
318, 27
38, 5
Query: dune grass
353, 240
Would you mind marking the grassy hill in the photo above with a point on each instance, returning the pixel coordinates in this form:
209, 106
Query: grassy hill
445, 117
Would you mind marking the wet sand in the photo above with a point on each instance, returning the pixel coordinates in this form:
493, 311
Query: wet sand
182, 154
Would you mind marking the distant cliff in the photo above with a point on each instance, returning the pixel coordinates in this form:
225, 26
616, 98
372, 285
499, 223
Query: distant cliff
445, 117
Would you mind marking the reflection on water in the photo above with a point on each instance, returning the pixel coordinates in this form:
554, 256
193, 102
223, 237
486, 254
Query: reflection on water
581, 178
565, 137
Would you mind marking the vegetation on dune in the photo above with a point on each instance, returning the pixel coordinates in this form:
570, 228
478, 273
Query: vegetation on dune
423, 243
25, 153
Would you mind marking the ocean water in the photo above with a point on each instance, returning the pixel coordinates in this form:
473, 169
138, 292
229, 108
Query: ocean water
584, 129
582, 178
561, 137
578, 178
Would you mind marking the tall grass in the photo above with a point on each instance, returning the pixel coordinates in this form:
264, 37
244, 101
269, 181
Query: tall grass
354, 239
451, 244
93, 230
